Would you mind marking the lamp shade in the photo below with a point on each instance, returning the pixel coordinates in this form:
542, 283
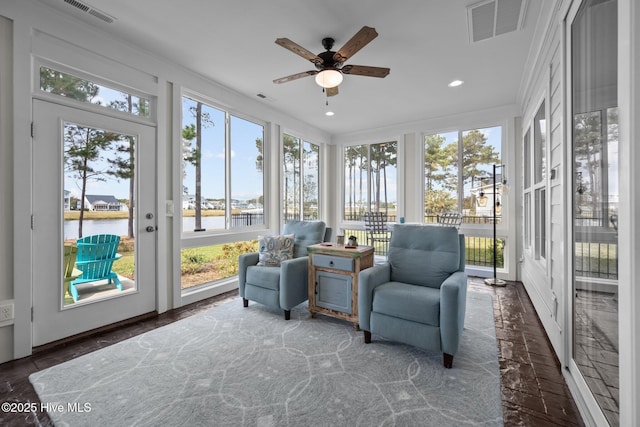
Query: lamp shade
329, 78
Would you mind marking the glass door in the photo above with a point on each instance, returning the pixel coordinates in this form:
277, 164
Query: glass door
93, 221
595, 201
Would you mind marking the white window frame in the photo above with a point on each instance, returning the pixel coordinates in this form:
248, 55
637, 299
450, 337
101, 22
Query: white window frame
213, 237
355, 224
539, 248
300, 194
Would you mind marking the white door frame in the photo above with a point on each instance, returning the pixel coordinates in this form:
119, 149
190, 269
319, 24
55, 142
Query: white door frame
52, 320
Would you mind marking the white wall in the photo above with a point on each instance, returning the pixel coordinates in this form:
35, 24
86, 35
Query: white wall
544, 278
6, 181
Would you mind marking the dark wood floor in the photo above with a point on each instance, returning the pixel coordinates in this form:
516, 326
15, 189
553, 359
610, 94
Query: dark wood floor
534, 392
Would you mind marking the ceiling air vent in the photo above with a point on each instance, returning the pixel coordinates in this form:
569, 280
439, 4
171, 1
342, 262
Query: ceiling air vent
492, 18
91, 10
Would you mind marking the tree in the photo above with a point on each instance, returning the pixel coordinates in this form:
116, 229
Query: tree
260, 157
440, 200
83, 155
475, 153
83, 146
440, 174
350, 164
194, 155
124, 168
310, 182
123, 164
68, 86
291, 154
588, 158
356, 164
382, 156
436, 161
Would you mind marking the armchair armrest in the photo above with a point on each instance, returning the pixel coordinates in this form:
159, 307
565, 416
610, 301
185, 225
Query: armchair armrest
368, 279
453, 300
294, 282
244, 261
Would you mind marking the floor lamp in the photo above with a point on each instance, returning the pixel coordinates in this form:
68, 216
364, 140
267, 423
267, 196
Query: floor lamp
495, 281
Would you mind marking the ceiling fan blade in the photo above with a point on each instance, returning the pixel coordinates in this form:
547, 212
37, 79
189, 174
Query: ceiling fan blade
332, 91
357, 42
295, 76
299, 50
364, 70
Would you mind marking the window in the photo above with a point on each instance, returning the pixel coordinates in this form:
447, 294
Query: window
596, 197
72, 87
463, 182
301, 159
534, 178
246, 142
370, 173
539, 181
440, 174
222, 176
458, 176
222, 188
540, 216
526, 150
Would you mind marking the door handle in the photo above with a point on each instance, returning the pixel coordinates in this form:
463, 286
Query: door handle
151, 228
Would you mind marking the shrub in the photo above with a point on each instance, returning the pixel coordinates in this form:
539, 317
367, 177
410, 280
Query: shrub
228, 259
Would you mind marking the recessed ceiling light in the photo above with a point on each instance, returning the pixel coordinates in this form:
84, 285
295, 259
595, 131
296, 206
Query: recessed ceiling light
455, 83
329, 113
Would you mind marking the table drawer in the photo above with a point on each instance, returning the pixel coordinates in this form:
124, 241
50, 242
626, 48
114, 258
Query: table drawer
335, 262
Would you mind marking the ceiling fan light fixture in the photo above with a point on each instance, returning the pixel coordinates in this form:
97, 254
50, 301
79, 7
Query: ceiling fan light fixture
455, 83
329, 78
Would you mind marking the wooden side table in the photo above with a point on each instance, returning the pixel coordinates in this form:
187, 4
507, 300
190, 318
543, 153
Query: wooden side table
333, 279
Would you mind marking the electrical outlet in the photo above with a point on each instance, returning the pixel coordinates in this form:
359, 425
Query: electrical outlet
6, 312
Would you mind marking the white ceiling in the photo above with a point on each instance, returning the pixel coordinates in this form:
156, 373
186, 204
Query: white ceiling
424, 42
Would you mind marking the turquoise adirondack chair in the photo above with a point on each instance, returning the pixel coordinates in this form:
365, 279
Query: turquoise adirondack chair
95, 258
71, 273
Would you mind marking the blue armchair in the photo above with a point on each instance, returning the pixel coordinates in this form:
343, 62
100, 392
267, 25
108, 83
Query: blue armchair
418, 296
284, 286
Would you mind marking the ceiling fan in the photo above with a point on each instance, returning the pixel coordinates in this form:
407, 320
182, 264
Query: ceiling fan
329, 64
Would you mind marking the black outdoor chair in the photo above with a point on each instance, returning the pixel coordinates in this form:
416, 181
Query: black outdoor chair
375, 223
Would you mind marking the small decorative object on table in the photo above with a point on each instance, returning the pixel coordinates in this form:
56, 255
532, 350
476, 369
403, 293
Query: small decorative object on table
352, 242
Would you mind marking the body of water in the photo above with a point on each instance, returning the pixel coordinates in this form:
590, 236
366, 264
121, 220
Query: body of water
119, 226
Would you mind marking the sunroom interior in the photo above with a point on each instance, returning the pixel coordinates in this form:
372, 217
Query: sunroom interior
493, 109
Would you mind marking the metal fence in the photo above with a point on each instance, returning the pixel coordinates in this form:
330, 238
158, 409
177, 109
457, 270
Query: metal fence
246, 219
478, 250
596, 247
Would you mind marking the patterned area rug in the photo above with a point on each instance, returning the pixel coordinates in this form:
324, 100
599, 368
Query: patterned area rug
235, 366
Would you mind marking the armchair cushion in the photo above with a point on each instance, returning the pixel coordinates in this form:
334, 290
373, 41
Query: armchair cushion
423, 261
275, 249
414, 303
306, 233
264, 277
